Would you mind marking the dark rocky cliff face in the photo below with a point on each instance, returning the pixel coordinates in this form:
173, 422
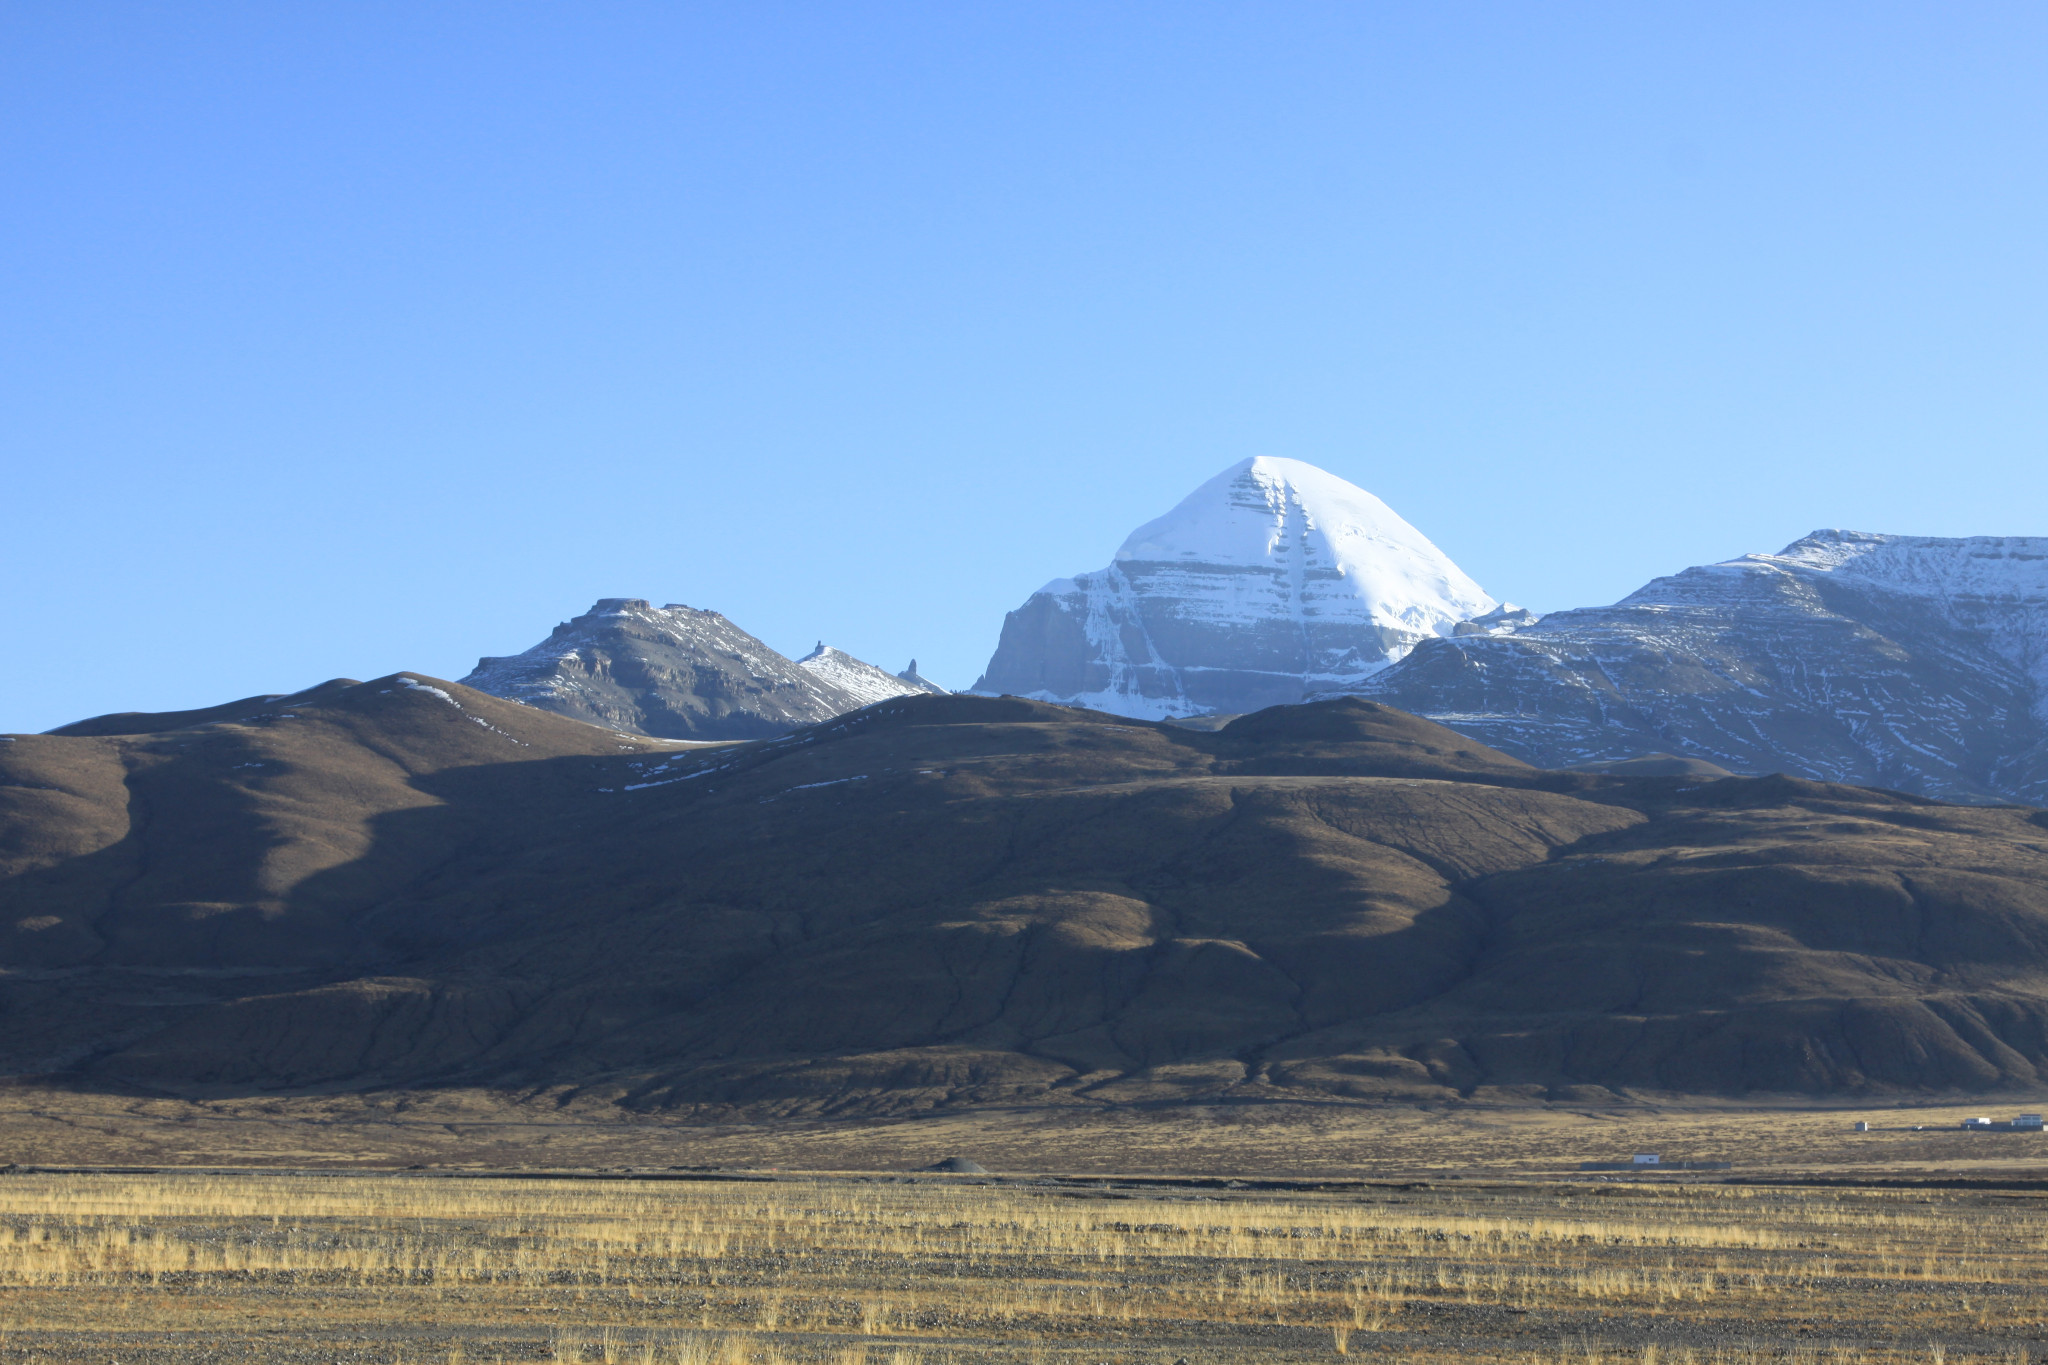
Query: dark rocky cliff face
673, 672
1909, 662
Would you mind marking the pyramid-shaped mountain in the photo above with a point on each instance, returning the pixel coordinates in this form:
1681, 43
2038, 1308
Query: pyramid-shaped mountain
1272, 582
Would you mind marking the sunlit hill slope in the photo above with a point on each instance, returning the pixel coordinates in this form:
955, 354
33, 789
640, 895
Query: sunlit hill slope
955, 899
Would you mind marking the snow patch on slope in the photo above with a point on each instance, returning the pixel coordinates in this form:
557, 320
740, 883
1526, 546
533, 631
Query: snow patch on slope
2002, 568
416, 685
1994, 586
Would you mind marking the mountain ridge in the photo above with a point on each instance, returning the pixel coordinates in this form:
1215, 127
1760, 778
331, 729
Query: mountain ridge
958, 900
1913, 662
677, 672
863, 682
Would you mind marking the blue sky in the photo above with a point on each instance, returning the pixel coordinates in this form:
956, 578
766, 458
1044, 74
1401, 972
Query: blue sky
343, 338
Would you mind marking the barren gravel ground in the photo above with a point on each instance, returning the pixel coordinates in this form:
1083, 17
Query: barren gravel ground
457, 1129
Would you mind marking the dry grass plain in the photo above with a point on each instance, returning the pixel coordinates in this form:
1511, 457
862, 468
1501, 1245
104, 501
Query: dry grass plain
1459, 1233
354, 1268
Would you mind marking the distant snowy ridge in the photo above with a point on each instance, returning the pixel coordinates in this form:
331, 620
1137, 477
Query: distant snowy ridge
1272, 582
855, 677
1993, 588
1913, 662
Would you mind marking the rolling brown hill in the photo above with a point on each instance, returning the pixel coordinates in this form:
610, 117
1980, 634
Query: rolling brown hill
957, 899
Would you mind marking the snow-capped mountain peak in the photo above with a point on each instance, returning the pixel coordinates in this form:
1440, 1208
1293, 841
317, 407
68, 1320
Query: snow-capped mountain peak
1265, 512
1273, 581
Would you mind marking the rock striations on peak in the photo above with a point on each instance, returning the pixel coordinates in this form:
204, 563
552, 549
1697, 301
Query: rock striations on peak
1918, 663
679, 673
1272, 582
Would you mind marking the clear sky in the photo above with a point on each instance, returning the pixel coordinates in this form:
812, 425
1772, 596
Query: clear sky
343, 337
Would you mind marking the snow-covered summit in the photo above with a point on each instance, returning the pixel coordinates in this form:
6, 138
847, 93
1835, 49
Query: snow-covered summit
855, 677
1271, 582
1329, 546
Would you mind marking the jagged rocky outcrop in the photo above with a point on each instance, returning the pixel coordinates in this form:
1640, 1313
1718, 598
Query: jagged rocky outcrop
1272, 582
856, 677
921, 682
1917, 663
677, 673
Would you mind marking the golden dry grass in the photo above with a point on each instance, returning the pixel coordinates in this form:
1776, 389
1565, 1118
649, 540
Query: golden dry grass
355, 1268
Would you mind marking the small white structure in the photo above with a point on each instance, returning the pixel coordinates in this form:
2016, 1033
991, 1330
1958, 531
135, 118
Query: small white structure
2028, 1123
1644, 1159
1862, 1126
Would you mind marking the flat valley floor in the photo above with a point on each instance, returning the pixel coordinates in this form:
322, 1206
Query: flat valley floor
457, 1227
455, 1130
